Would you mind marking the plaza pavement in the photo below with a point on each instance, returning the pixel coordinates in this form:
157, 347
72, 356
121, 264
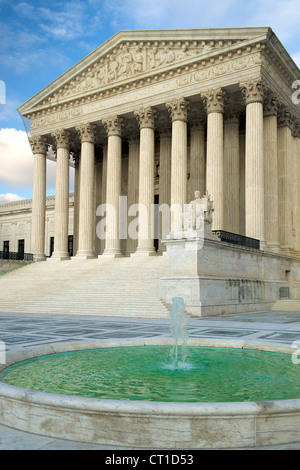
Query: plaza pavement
24, 330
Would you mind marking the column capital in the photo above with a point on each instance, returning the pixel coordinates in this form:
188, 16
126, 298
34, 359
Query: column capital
271, 105
178, 109
253, 90
87, 132
38, 144
296, 129
113, 125
214, 100
285, 118
62, 138
146, 117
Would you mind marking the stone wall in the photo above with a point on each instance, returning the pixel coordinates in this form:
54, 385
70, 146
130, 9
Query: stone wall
217, 278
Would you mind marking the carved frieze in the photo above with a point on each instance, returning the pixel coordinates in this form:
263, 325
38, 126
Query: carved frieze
131, 59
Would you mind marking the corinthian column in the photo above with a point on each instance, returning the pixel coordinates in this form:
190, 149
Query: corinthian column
197, 158
113, 126
145, 119
231, 174
38, 146
61, 221
214, 103
285, 175
253, 94
178, 109
164, 185
86, 194
271, 172
133, 188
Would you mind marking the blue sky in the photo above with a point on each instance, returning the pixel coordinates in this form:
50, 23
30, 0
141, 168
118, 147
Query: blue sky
40, 40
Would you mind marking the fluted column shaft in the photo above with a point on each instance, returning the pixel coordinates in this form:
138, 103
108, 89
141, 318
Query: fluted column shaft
164, 186
285, 191
76, 202
271, 173
145, 118
113, 189
297, 184
61, 222
38, 145
178, 111
133, 191
231, 174
197, 159
86, 198
214, 102
254, 179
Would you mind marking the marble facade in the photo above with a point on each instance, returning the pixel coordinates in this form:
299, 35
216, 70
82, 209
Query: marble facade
156, 115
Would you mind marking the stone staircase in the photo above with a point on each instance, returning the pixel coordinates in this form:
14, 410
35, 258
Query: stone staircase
105, 287
289, 305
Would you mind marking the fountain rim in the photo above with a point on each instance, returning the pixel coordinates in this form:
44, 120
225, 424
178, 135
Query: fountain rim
133, 406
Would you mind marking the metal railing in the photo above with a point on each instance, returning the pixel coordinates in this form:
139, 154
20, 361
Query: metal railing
236, 239
14, 256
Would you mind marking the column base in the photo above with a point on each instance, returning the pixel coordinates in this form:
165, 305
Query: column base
111, 253
39, 257
84, 255
144, 253
272, 247
59, 257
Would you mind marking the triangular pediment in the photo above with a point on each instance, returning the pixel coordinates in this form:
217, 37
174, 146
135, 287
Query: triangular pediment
135, 55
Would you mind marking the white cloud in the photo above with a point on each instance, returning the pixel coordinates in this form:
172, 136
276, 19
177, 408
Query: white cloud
16, 159
16, 163
9, 197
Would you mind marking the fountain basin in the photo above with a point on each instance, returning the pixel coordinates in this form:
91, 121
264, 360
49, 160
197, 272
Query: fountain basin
161, 425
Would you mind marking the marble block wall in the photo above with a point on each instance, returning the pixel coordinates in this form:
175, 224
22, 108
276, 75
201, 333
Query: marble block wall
216, 278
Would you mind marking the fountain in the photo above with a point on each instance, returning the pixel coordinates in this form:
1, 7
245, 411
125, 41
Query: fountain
179, 330
158, 393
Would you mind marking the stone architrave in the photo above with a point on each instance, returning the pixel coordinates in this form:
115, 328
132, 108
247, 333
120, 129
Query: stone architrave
253, 93
113, 126
214, 101
86, 230
146, 118
178, 110
39, 149
62, 139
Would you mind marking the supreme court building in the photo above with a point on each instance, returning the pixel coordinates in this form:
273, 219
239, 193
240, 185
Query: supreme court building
156, 115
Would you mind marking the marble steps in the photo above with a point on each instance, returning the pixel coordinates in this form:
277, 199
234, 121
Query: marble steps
290, 305
118, 287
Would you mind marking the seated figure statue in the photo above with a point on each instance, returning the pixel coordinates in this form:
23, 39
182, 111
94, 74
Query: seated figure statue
197, 212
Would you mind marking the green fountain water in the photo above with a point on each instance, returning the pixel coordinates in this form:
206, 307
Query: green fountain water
177, 373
